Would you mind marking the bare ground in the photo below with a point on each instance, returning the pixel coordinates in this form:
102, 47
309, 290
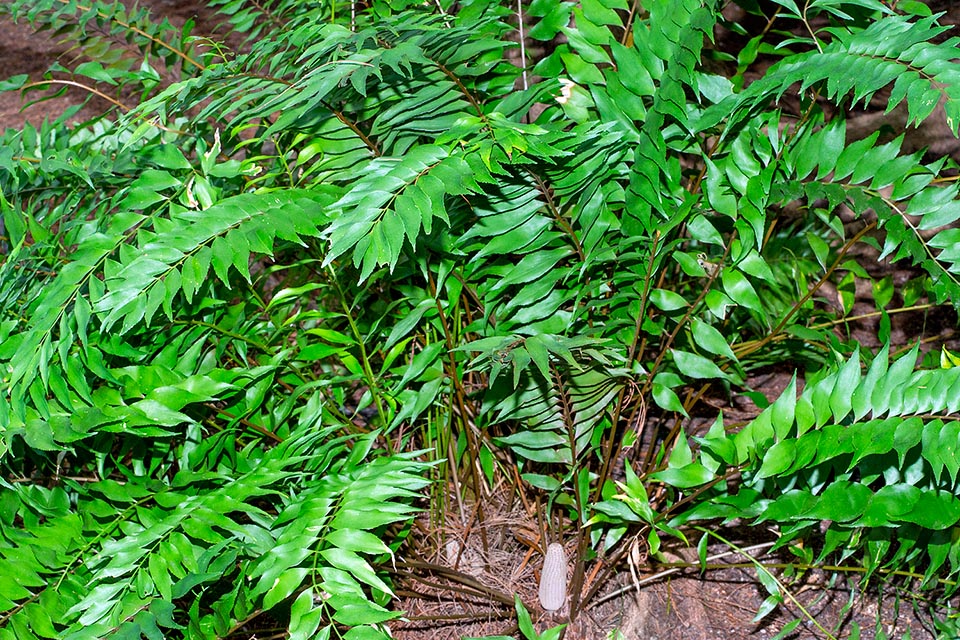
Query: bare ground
22, 51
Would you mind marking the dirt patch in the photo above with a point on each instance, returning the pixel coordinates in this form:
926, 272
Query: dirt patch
452, 588
722, 603
23, 51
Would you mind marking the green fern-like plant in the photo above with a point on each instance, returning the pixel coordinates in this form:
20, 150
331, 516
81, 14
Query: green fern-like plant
872, 454
224, 308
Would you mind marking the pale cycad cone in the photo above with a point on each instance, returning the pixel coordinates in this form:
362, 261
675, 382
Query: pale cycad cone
553, 580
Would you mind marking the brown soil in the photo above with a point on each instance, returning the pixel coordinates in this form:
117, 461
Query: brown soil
22, 51
450, 598
461, 583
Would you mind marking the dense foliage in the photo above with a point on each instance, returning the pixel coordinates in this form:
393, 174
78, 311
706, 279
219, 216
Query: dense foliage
283, 289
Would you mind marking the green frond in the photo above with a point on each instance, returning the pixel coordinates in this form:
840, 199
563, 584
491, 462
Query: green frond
860, 62
178, 254
884, 444
125, 46
899, 189
125, 273
393, 202
206, 531
562, 401
679, 30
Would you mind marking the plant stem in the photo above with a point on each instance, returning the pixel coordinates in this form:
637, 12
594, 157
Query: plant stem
746, 348
760, 567
372, 384
676, 567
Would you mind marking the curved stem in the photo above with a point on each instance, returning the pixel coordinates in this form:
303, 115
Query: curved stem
780, 586
364, 357
747, 348
71, 83
160, 43
677, 567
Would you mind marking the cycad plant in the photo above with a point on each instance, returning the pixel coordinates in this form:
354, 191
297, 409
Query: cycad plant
248, 320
